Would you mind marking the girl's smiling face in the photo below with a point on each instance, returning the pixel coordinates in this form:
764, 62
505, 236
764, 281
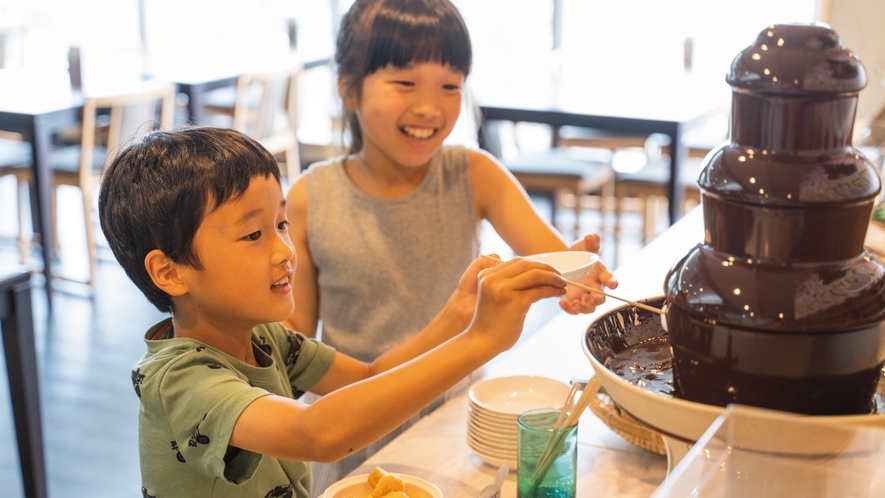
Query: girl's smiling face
406, 113
248, 260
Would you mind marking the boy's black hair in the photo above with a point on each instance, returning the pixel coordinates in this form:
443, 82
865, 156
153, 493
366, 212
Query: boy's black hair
157, 191
375, 33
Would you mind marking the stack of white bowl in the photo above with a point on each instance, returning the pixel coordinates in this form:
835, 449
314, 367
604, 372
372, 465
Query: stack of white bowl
494, 406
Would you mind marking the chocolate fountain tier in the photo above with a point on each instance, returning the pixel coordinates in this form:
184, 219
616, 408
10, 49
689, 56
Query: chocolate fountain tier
791, 208
797, 59
823, 179
718, 288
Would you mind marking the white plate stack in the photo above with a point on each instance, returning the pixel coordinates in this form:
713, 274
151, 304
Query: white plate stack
495, 404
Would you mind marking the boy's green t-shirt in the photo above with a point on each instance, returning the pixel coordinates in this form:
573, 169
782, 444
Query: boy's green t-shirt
191, 397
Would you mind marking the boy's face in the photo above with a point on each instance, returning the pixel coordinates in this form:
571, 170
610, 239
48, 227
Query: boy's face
248, 260
406, 113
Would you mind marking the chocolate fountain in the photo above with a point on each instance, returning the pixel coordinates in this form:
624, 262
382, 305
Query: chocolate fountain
781, 306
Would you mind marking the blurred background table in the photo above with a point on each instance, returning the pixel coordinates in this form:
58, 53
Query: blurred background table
561, 89
197, 76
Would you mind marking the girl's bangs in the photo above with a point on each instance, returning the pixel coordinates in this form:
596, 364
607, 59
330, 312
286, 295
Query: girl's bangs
401, 40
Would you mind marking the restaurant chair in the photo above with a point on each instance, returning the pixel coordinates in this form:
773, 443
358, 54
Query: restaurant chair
554, 174
648, 188
15, 160
131, 114
265, 107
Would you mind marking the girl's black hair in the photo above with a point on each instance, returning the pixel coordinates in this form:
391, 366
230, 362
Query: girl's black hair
157, 191
377, 33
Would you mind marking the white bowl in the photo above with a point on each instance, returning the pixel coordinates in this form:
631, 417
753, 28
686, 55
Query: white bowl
486, 450
496, 445
499, 425
358, 486
492, 416
486, 432
490, 431
505, 452
573, 265
516, 394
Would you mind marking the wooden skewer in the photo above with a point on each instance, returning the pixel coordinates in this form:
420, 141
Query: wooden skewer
575, 409
597, 291
566, 406
581, 405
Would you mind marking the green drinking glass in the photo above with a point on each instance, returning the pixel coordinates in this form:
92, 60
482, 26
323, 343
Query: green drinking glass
548, 458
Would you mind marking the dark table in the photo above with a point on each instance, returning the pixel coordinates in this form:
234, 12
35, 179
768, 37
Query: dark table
17, 324
574, 90
196, 80
36, 104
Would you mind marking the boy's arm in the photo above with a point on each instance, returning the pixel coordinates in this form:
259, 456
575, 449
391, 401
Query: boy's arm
304, 286
352, 417
499, 198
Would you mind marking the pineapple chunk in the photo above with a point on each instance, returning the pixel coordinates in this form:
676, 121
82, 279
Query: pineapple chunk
376, 476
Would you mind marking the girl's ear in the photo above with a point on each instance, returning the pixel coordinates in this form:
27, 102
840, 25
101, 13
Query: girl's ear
165, 273
347, 97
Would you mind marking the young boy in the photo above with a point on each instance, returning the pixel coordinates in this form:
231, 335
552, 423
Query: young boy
197, 218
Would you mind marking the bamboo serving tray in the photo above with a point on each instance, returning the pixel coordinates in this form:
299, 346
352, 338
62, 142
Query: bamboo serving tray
605, 408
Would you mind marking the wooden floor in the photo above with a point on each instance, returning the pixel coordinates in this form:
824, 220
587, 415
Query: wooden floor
86, 346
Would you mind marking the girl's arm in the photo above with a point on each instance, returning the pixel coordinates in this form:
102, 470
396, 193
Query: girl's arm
350, 418
304, 287
499, 198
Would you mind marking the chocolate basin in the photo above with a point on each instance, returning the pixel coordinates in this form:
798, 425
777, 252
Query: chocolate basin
679, 421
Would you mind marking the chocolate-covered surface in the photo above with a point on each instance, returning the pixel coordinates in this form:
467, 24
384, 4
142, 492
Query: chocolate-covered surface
781, 307
613, 337
722, 288
797, 59
815, 374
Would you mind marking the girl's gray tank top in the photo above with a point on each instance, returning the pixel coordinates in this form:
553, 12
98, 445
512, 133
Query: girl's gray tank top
385, 267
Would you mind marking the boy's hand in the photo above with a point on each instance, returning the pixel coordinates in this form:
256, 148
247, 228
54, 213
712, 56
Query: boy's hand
580, 301
506, 291
462, 303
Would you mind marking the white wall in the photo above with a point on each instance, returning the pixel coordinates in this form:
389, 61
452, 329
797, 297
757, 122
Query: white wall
861, 23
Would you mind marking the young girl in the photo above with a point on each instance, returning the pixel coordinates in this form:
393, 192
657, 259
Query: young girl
384, 233
402, 209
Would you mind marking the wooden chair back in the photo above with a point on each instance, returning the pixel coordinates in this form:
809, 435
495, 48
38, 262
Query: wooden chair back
131, 115
266, 100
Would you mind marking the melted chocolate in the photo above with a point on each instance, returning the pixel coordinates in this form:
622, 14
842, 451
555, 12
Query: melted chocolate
648, 365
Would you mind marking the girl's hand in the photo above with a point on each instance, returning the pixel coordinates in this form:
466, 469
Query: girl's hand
580, 301
506, 291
